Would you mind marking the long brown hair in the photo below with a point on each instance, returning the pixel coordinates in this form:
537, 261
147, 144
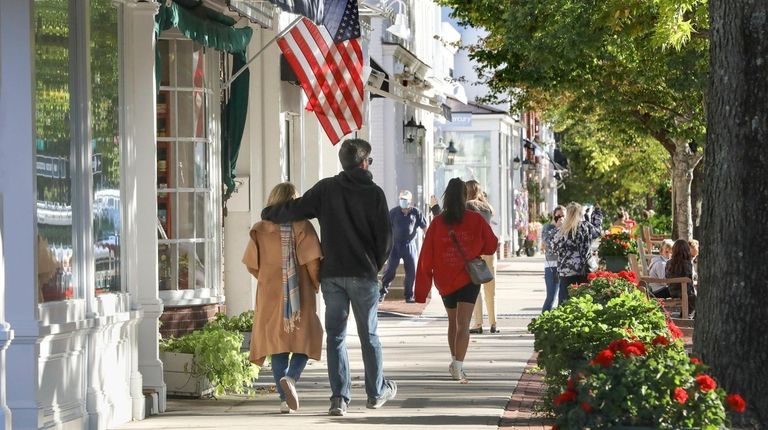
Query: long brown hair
454, 201
680, 260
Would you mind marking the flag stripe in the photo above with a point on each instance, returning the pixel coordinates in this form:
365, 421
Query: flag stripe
340, 57
330, 75
320, 68
293, 60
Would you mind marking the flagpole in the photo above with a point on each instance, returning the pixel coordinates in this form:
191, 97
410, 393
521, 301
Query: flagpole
263, 48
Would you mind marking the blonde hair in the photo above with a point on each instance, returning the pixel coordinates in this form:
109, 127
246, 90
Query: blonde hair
282, 193
667, 243
574, 213
474, 190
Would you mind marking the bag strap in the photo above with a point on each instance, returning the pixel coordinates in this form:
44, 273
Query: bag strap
456, 243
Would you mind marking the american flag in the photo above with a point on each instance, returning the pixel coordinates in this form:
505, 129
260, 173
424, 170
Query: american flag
330, 74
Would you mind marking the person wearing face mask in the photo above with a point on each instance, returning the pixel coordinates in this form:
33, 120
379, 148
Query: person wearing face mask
405, 221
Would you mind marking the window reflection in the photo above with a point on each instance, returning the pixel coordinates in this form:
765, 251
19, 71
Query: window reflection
107, 218
52, 131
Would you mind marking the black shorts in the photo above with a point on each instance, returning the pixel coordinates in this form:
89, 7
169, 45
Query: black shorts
466, 294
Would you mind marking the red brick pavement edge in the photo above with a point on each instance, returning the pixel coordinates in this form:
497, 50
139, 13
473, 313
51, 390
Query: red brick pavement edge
399, 307
520, 411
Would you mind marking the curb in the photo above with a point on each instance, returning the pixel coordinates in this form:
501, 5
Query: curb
521, 413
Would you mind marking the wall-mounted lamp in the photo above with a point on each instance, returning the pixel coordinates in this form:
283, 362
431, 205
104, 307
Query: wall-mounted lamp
400, 27
440, 152
413, 135
516, 163
451, 158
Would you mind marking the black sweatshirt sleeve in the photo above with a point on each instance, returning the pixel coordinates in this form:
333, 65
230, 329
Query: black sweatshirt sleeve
305, 207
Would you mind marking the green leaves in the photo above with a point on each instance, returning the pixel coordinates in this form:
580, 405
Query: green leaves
217, 357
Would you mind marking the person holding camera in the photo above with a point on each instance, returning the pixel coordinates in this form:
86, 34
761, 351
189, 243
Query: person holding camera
550, 259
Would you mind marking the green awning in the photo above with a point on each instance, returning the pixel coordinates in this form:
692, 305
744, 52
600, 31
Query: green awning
214, 30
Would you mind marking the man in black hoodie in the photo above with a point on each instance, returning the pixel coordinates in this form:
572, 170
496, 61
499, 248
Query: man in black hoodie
356, 240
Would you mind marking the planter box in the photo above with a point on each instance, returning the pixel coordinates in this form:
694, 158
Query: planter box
179, 379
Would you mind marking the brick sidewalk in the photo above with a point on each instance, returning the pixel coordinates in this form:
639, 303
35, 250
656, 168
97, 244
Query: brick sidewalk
399, 307
520, 412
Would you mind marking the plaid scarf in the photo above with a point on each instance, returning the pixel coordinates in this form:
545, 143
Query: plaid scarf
291, 304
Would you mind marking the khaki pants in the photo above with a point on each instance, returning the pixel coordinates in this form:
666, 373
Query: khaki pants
489, 293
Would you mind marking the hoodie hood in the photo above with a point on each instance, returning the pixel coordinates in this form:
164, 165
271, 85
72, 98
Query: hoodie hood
356, 179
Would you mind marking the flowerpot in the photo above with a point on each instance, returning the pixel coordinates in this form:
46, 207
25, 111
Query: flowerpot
615, 263
178, 376
246, 346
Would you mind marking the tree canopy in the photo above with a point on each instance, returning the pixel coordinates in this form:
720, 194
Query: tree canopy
634, 69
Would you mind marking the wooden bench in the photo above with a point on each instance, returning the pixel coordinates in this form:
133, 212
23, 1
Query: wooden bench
671, 303
651, 241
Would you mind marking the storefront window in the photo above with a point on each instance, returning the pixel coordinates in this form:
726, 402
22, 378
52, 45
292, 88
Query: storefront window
472, 161
53, 144
185, 148
57, 204
107, 220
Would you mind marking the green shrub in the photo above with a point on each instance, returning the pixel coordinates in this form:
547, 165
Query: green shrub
217, 357
603, 286
568, 335
242, 322
632, 383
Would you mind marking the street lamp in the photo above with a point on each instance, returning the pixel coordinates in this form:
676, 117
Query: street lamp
440, 151
516, 163
451, 153
411, 136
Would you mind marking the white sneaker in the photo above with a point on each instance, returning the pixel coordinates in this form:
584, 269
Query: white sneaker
289, 388
284, 409
454, 371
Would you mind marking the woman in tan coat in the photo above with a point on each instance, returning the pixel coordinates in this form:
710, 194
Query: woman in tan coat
285, 258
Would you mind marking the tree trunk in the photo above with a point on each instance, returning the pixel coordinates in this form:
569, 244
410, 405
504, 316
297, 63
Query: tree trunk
731, 312
683, 163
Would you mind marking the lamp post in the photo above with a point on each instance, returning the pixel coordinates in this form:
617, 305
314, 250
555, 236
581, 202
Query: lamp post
410, 136
451, 153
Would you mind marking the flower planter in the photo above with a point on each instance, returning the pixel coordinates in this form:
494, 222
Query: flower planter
615, 263
178, 376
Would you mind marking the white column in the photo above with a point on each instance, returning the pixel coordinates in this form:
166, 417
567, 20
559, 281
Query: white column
17, 185
6, 334
137, 75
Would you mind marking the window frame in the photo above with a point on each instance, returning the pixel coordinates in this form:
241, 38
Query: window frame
212, 291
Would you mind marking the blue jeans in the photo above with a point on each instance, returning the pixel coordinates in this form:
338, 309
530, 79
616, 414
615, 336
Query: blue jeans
552, 281
363, 294
281, 367
408, 253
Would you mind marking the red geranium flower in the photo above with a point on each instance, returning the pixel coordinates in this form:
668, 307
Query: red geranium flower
706, 383
635, 348
695, 360
585, 406
565, 396
603, 358
660, 340
680, 395
736, 403
571, 384
618, 345
674, 330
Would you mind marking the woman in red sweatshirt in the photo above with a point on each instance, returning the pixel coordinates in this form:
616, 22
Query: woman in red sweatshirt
440, 261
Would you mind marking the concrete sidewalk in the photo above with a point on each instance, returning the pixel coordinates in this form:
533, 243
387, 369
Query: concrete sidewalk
416, 356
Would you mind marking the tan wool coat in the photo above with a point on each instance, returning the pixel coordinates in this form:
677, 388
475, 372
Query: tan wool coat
263, 258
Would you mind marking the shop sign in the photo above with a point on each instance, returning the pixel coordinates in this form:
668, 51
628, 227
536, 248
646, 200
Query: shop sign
461, 119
